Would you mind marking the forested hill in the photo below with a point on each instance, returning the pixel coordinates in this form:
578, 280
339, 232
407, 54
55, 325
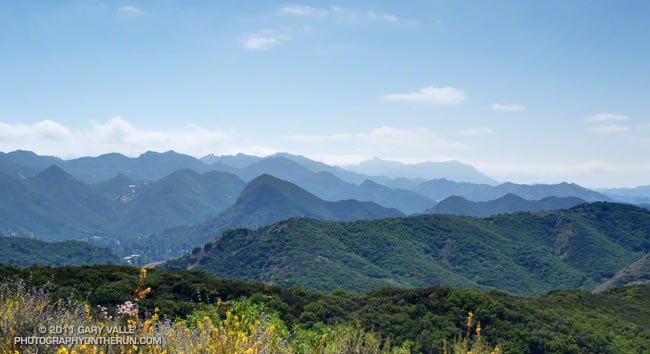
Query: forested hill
522, 253
25, 252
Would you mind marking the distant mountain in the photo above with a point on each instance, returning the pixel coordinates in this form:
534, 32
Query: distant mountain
635, 195
53, 205
279, 167
524, 253
25, 252
120, 188
404, 183
23, 164
647, 206
150, 166
265, 200
636, 273
329, 187
440, 189
238, 161
183, 198
451, 170
407, 201
341, 173
509, 203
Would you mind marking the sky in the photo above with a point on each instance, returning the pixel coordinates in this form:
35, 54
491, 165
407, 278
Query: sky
529, 92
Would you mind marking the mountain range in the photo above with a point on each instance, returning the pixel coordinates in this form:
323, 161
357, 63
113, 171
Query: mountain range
265, 200
522, 253
637, 195
409, 195
509, 203
452, 170
53, 205
442, 188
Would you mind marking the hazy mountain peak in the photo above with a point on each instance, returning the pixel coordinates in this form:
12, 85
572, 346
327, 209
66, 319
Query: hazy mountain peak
452, 170
54, 173
511, 196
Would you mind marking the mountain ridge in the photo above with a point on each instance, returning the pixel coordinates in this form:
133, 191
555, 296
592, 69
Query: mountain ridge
265, 200
522, 253
508, 203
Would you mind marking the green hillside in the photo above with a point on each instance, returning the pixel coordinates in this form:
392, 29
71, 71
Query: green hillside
24, 252
616, 321
636, 273
522, 253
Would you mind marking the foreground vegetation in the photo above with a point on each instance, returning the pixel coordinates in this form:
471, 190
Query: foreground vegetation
221, 328
423, 320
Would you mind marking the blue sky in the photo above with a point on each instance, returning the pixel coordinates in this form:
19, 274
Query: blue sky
526, 91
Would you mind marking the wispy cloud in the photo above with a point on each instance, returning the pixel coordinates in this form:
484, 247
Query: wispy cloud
608, 123
130, 10
342, 13
606, 117
434, 96
507, 107
610, 129
304, 11
476, 132
263, 39
119, 135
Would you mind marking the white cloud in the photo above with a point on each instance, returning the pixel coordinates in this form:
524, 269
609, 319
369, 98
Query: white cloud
263, 40
434, 96
341, 13
304, 11
507, 107
606, 117
130, 10
476, 132
610, 129
385, 142
119, 135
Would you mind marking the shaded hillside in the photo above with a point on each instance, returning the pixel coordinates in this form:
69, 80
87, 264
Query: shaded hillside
522, 253
121, 188
265, 200
440, 189
24, 252
634, 274
185, 197
509, 203
54, 206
